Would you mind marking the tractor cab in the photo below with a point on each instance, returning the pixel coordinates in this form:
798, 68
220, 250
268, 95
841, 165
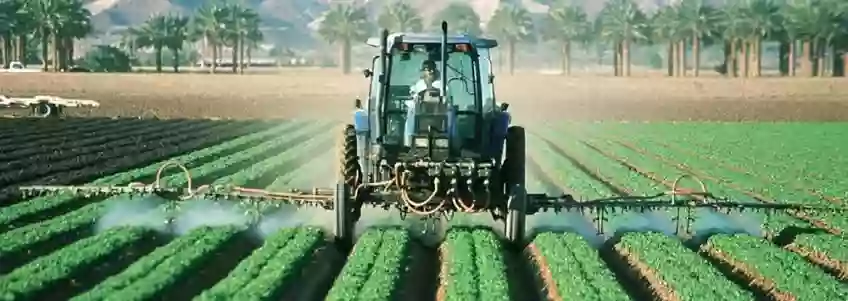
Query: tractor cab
433, 100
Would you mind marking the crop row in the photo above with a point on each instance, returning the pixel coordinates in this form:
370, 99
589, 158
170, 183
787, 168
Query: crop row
142, 155
45, 206
36, 131
473, 266
167, 277
258, 277
569, 268
11, 176
374, 268
667, 267
825, 249
642, 165
742, 185
81, 142
18, 243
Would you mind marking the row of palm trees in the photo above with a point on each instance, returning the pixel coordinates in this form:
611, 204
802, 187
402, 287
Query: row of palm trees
55, 24
820, 27
222, 25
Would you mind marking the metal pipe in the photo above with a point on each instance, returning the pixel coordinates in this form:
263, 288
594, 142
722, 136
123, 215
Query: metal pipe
444, 73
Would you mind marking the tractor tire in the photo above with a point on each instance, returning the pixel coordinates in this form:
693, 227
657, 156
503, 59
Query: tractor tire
350, 170
514, 166
349, 178
46, 110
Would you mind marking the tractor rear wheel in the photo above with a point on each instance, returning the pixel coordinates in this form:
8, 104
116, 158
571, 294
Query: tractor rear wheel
516, 193
349, 178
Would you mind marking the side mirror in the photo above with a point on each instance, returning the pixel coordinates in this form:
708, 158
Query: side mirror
357, 103
504, 106
367, 73
491, 78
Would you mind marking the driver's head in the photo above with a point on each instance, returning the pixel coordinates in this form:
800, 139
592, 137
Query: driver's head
428, 71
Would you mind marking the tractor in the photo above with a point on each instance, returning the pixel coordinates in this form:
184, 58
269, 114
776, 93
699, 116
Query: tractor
432, 147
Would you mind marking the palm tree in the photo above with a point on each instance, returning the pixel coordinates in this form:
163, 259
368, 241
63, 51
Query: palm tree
178, 34
665, 28
735, 26
23, 26
74, 22
810, 24
7, 11
252, 38
399, 16
343, 24
696, 21
566, 24
461, 17
153, 33
622, 23
512, 23
209, 22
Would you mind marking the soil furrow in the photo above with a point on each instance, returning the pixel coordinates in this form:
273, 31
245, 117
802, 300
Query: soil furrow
836, 268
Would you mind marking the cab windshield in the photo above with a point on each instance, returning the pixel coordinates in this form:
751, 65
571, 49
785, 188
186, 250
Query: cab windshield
406, 72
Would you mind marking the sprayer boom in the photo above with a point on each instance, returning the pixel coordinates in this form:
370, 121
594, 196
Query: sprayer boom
682, 205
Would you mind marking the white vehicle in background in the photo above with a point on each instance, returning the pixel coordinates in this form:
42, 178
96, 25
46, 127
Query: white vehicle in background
19, 67
42, 106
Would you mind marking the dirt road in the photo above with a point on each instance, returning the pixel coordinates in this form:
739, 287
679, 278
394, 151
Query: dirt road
327, 94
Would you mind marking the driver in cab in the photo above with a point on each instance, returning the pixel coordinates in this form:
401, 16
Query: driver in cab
429, 79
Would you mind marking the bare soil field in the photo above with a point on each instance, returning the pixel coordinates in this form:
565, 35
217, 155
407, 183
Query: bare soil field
315, 93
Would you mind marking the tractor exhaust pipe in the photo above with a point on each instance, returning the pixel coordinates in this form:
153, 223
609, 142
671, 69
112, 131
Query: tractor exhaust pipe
384, 88
444, 73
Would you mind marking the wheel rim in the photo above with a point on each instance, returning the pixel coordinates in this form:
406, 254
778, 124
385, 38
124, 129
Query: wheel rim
43, 110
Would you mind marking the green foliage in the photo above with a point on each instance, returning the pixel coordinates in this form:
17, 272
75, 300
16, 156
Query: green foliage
567, 255
105, 58
666, 255
164, 267
790, 272
475, 266
257, 277
38, 275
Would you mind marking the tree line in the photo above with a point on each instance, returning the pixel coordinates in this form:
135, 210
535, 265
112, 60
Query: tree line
812, 34
57, 24
817, 29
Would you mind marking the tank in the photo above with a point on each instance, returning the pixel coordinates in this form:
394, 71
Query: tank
360, 121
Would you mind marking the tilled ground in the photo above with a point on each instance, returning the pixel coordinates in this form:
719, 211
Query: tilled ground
326, 94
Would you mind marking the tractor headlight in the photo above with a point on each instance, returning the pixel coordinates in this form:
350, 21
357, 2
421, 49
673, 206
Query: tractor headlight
420, 142
441, 142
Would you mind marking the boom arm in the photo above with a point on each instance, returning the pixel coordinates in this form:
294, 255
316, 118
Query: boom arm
324, 198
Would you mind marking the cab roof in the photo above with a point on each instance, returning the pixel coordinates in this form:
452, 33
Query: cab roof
427, 38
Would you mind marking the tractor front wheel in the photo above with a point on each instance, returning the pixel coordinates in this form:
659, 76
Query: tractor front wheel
516, 193
349, 178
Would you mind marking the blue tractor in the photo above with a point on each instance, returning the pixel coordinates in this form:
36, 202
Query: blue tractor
429, 148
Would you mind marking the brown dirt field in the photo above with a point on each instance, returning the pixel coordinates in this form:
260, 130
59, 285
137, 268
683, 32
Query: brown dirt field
315, 93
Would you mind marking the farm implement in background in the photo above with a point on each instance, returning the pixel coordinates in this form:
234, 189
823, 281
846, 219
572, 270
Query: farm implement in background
346, 202
43, 106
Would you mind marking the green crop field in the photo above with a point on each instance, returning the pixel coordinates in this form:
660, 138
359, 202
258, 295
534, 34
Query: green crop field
72, 247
